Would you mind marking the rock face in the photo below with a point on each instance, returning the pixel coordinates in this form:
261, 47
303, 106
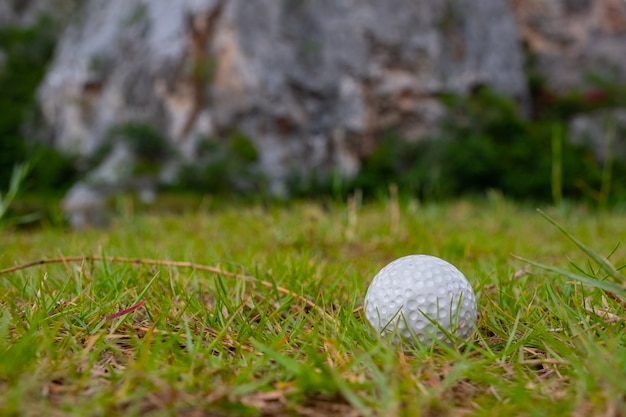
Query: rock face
313, 83
572, 39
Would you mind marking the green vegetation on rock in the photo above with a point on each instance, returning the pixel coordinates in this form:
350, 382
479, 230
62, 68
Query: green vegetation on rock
485, 144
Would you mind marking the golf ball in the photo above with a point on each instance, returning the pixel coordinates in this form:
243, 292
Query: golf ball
417, 296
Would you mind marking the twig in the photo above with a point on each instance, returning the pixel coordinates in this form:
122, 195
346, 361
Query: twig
161, 262
125, 311
544, 361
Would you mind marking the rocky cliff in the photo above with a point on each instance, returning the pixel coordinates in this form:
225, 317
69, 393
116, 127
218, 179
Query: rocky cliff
312, 83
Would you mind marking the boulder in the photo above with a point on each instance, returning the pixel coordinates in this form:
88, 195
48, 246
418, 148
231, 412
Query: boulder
85, 206
604, 131
313, 84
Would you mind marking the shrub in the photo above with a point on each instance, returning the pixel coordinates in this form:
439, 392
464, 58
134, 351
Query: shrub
483, 144
27, 52
224, 166
51, 171
150, 148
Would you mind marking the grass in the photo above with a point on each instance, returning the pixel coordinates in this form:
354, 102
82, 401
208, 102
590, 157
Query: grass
100, 336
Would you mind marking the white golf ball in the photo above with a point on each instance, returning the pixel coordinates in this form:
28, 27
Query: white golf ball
409, 295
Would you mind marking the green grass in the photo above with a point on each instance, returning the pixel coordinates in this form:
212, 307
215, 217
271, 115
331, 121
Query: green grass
219, 344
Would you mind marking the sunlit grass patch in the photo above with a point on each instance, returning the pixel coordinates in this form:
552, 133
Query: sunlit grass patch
256, 311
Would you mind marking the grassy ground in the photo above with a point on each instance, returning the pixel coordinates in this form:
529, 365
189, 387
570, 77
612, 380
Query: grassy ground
204, 343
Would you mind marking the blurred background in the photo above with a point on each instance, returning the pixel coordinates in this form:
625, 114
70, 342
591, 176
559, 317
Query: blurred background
173, 102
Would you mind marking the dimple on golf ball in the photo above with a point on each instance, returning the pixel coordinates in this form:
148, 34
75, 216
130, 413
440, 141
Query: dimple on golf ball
411, 294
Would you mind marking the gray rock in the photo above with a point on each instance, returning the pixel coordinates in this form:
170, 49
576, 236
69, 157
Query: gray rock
604, 131
312, 82
116, 169
117, 174
85, 206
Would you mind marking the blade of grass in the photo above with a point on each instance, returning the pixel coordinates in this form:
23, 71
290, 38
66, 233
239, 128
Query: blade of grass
349, 394
607, 169
557, 164
18, 175
600, 260
604, 285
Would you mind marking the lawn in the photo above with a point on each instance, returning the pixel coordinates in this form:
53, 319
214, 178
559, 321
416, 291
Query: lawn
255, 310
